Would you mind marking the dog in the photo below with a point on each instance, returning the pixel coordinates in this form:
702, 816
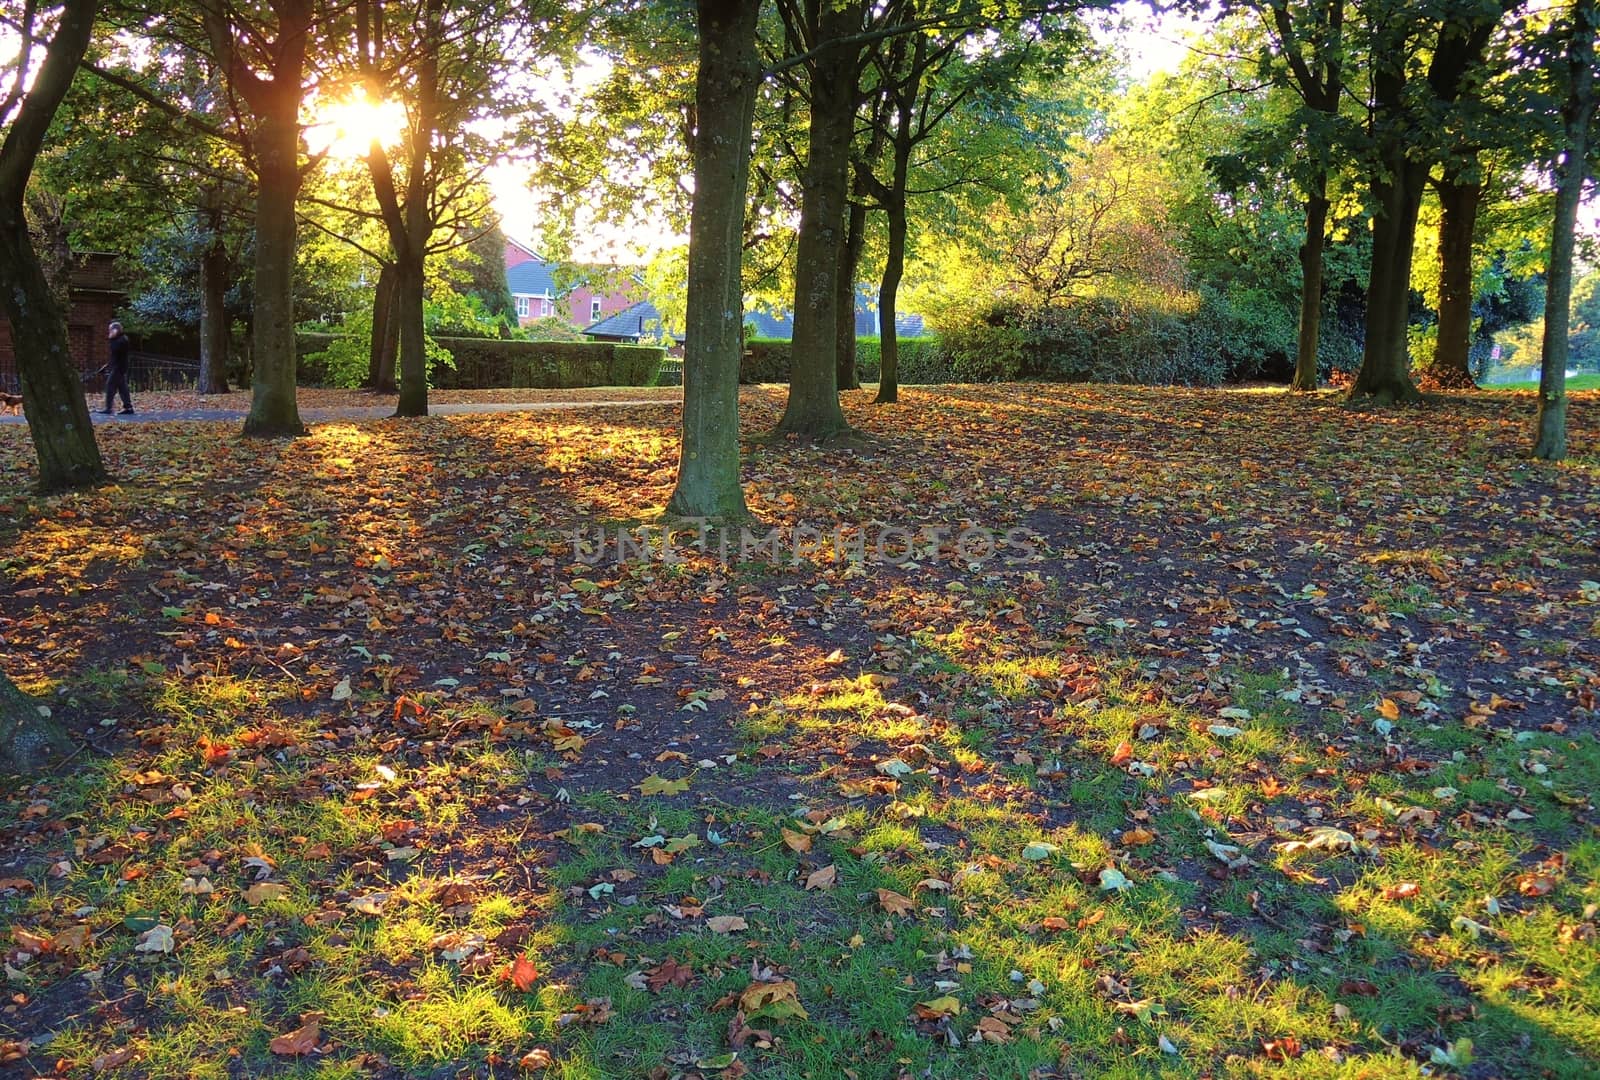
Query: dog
11, 403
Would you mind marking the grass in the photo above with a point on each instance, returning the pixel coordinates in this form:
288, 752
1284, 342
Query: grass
1574, 384
1239, 776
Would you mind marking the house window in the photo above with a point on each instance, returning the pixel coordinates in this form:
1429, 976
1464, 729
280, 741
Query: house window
522, 307
594, 311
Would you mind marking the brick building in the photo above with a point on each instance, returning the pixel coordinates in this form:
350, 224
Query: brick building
93, 298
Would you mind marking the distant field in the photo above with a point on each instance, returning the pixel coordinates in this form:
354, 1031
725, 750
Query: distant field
1577, 382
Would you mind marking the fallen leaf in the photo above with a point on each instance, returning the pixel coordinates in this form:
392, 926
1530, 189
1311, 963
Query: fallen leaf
894, 903
822, 879
726, 924
302, 1040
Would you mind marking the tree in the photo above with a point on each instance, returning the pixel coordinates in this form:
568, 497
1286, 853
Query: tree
29, 739
262, 54
1571, 172
1406, 112
725, 91
826, 33
929, 83
1310, 40
58, 414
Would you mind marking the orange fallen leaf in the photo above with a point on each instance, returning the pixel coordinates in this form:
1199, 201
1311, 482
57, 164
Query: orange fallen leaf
302, 1040
521, 973
1122, 754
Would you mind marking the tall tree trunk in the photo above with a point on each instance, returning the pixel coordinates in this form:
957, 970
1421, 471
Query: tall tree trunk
380, 363
29, 740
274, 409
888, 297
58, 414
725, 95
407, 314
813, 407
1459, 200
1305, 360
216, 330
855, 236
1385, 363
1578, 115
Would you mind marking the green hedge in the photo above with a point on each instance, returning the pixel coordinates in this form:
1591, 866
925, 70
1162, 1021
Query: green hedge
490, 363
922, 360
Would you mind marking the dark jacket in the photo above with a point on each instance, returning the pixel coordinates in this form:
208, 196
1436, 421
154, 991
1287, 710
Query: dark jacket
120, 348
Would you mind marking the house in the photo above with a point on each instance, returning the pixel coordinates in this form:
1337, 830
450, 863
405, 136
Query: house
579, 294
780, 325
93, 296
635, 324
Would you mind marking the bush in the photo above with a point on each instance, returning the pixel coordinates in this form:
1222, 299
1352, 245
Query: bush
488, 363
767, 360
483, 363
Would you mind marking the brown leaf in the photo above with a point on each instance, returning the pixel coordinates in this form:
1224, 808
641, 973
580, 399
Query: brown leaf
669, 973
823, 879
536, 1059
796, 841
262, 891
112, 1058
302, 1040
726, 924
894, 903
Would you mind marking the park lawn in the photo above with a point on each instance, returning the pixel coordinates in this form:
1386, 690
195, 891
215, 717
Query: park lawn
1271, 751
1575, 384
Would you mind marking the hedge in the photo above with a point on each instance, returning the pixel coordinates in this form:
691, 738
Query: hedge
490, 363
767, 360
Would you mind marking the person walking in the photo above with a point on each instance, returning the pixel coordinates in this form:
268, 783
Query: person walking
116, 369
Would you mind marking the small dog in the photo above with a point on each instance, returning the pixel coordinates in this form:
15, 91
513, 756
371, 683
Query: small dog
11, 403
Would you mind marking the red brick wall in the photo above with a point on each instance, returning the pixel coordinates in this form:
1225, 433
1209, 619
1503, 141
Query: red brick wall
86, 338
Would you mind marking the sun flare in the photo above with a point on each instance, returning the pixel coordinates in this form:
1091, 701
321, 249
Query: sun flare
346, 129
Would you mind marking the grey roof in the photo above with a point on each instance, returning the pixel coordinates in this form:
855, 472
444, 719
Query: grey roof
781, 324
534, 277
640, 320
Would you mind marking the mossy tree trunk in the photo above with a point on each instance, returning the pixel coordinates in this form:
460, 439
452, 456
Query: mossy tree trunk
385, 334
216, 331
273, 101
29, 740
855, 236
1459, 199
58, 414
725, 95
813, 406
1311, 249
1578, 116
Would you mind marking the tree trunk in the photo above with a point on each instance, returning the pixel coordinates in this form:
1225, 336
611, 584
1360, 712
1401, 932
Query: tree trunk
407, 314
1459, 201
1550, 443
888, 297
216, 331
1385, 363
1305, 362
29, 740
725, 96
813, 407
58, 414
849, 258
380, 363
274, 409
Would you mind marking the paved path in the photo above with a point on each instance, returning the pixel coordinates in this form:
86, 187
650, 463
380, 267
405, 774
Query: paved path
362, 412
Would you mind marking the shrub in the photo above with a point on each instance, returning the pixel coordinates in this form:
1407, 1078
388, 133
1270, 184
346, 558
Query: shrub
922, 360
484, 363
489, 363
